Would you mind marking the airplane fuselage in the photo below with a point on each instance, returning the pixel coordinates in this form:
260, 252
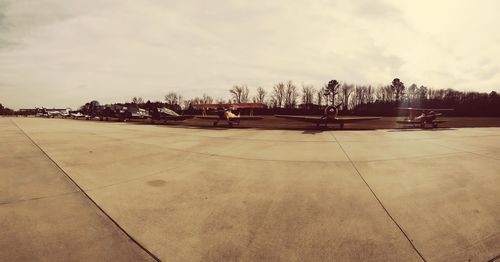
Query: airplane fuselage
229, 116
423, 119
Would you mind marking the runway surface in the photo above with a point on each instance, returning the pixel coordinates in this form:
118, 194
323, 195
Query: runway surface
85, 190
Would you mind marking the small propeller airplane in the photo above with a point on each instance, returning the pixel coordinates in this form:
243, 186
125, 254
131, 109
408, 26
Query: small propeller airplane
330, 116
225, 112
66, 113
77, 115
165, 114
51, 113
118, 112
427, 116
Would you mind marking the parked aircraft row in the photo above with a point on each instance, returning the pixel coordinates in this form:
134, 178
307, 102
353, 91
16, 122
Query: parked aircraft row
416, 117
63, 113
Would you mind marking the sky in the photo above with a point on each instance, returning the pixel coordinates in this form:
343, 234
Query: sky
61, 53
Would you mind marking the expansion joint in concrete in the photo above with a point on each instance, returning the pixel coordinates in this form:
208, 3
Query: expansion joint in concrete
153, 256
380, 202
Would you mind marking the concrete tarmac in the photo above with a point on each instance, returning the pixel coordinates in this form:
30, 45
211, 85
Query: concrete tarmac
196, 194
44, 216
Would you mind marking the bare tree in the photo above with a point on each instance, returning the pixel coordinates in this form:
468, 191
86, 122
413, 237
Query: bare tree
206, 99
398, 88
422, 93
345, 93
278, 95
331, 90
369, 94
187, 103
260, 96
239, 93
308, 92
360, 95
291, 95
245, 94
137, 100
173, 98
412, 93
320, 95
384, 93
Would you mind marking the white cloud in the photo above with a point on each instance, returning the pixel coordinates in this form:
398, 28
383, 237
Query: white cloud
58, 52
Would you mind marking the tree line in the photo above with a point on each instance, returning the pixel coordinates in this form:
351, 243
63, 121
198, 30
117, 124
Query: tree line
352, 99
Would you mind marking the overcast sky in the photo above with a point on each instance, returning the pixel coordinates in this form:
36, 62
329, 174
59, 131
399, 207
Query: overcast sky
58, 53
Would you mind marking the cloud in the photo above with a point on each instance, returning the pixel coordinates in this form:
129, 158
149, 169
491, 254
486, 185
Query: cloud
57, 53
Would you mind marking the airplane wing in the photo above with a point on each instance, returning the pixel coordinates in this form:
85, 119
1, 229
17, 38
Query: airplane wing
177, 118
425, 109
440, 121
354, 119
320, 120
208, 117
241, 118
310, 119
409, 122
245, 118
416, 122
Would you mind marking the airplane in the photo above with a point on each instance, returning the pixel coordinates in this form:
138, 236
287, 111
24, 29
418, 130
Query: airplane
330, 116
41, 112
166, 114
225, 112
137, 113
66, 114
77, 115
48, 113
63, 113
53, 113
427, 116
121, 112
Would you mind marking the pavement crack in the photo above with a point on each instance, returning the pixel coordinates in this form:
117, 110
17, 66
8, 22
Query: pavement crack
37, 198
378, 200
153, 256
